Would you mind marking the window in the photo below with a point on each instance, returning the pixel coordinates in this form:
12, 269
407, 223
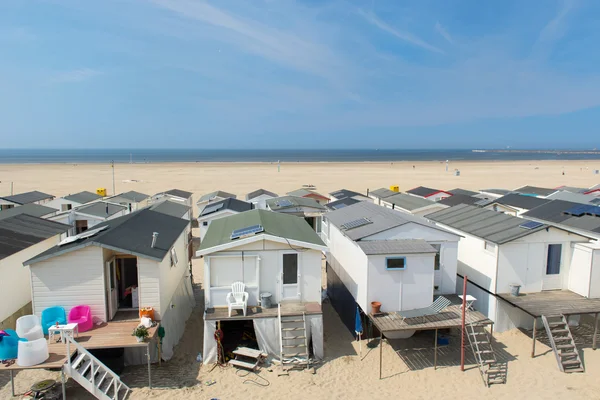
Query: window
489, 246
204, 223
66, 207
173, 257
290, 269
81, 226
395, 263
553, 260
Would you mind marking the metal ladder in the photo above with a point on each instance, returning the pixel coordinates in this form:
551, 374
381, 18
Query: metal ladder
293, 343
492, 372
562, 343
93, 375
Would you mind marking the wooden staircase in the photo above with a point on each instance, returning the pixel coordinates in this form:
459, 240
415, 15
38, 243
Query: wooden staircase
492, 371
293, 344
93, 375
562, 343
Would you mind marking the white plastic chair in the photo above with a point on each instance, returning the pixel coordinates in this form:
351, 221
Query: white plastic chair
30, 327
32, 353
237, 299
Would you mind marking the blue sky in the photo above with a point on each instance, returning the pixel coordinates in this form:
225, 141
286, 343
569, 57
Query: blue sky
306, 73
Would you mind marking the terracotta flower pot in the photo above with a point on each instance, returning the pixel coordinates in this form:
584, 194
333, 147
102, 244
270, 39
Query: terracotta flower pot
375, 307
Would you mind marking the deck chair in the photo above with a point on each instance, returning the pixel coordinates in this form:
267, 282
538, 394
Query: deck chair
237, 299
435, 308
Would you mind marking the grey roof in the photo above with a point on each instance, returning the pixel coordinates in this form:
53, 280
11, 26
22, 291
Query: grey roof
22, 231
259, 192
295, 201
463, 192
227, 204
553, 212
171, 208
460, 199
218, 193
520, 201
346, 201
131, 233
28, 197
538, 191
572, 189
592, 188
343, 193
490, 225
382, 193
483, 202
500, 192
381, 219
179, 193
35, 210
423, 191
408, 202
572, 196
101, 209
405, 246
82, 197
131, 196
302, 192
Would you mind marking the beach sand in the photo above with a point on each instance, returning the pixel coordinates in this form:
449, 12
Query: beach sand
408, 374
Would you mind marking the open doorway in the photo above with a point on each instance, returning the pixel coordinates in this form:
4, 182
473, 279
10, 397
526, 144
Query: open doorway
237, 333
127, 283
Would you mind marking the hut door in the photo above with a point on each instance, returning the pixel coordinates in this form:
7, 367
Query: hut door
553, 277
111, 288
290, 277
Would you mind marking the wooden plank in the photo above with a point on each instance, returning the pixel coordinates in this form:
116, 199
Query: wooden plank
255, 312
247, 352
553, 302
244, 364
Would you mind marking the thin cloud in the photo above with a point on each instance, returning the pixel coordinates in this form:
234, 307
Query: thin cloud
404, 36
442, 31
76, 75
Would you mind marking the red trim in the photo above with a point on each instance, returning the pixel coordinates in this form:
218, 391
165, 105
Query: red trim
316, 195
439, 191
591, 191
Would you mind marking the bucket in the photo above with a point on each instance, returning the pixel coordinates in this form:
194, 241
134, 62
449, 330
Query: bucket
147, 312
514, 289
265, 300
375, 307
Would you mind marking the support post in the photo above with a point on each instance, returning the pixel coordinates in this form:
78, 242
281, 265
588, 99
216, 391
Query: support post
380, 352
435, 350
149, 367
533, 344
159, 352
62, 381
463, 330
12, 383
595, 332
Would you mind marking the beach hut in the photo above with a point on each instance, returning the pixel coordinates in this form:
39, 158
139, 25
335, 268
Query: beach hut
276, 259
176, 195
213, 197
309, 209
379, 194
34, 197
132, 200
429, 193
411, 204
87, 216
309, 193
515, 204
259, 197
70, 201
220, 209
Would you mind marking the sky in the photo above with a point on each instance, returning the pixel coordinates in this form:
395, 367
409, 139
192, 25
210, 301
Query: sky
299, 74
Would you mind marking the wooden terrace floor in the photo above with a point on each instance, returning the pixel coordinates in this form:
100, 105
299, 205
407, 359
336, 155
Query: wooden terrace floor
253, 312
106, 336
553, 302
450, 317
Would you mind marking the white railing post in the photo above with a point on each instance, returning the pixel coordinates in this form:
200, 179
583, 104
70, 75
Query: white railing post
93, 379
67, 341
116, 388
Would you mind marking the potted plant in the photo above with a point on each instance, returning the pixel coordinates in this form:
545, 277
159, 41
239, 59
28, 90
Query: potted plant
140, 333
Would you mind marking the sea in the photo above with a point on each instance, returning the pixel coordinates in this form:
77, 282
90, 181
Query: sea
81, 156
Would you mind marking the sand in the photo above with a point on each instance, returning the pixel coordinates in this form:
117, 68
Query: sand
408, 374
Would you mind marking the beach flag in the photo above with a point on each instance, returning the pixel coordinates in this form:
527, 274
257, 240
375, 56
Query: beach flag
358, 328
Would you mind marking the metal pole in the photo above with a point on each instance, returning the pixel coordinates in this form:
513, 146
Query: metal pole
11, 193
149, 368
595, 332
380, 352
12, 383
62, 381
462, 336
112, 164
435, 351
533, 346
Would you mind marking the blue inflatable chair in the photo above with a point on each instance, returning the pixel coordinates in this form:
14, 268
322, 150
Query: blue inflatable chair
9, 345
52, 315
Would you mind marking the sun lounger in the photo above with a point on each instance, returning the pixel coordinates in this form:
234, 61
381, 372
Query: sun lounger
435, 308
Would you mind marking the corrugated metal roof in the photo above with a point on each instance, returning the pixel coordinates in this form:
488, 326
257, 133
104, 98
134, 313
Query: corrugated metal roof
463, 192
520, 201
486, 224
283, 202
82, 197
28, 197
218, 193
35, 210
408, 202
22, 231
101, 209
406, 246
170, 208
535, 190
260, 192
423, 191
457, 199
276, 224
382, 193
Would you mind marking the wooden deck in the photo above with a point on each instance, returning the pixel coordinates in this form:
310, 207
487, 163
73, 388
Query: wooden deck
552, 303
106, 336
451, 317
253, 312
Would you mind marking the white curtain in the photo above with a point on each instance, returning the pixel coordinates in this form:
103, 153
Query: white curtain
267, 335
315, 332
210, 344
175, 316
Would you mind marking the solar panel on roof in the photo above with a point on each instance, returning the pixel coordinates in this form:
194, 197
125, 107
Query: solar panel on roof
251, 230
530, 225
211, 209
284, 203
580, 210
356, 223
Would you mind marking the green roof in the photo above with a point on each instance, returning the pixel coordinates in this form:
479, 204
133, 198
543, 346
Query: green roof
275, 224
294, 201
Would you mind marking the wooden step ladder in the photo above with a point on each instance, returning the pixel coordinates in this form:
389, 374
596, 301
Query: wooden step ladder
562, 343
492, 371
293, 343
247, 358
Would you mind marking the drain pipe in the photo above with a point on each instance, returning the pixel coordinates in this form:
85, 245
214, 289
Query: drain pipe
154, 237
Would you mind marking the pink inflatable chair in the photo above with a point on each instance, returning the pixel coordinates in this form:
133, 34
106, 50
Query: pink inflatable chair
82, 316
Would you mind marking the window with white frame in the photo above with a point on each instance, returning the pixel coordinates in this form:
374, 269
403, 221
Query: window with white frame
395, 263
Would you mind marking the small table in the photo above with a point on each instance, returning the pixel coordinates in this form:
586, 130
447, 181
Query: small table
68, 329
469, 301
